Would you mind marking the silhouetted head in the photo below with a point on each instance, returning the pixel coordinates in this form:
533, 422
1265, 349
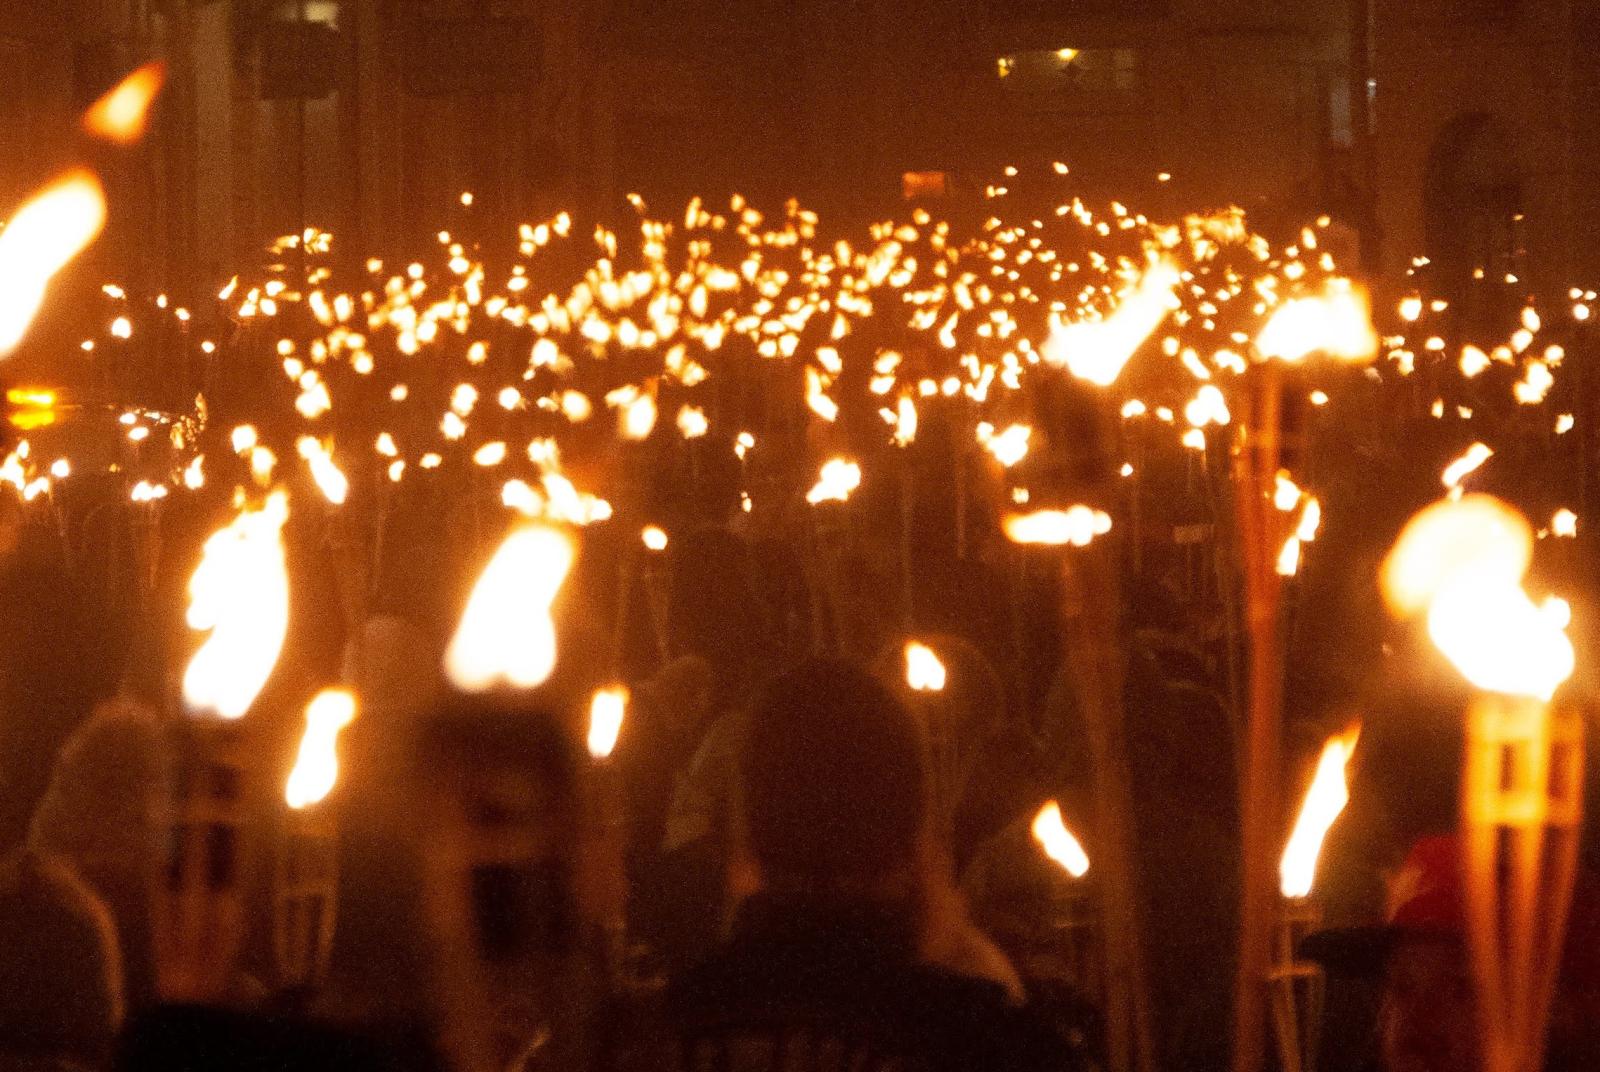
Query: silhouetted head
833, 779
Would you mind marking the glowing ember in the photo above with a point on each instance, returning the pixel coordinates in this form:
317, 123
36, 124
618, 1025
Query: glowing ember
1097, 350
1462, 563
835, 483
240, 594
120, 115
924, 671
606, 712
1324, 802
507, 635
316, 768
47, 232
1051, 832
1076, 525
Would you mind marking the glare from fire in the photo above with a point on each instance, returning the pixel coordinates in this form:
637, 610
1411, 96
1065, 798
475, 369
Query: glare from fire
1337, 322
120, 115
240, 594
316, 768
1324, 802
606, 712
507, 634
1051, 832
1076, 525
924, 671
47, 232
1461, 563
1097, 350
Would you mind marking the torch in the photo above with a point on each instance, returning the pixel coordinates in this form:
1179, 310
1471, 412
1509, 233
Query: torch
305, 878
1461, 563
240, 593
503, 820
925, 676
1075, 921
1295, 985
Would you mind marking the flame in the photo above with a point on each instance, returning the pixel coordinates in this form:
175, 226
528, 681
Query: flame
1462, 563
1076, 525
507, 635
47, 232
120, 115
1338, 322
240, 593
316, 768
1324, 801
654, 537
1057, 841
1289, 557
606, 712
924, 671
33, 407
835, 483
335, 486
1468, 463
1097, 350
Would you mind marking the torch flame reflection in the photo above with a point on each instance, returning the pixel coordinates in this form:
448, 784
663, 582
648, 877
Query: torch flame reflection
240, 593
1051, 832
1462, 563
316, 768
46, 233
507, 635
1325, 800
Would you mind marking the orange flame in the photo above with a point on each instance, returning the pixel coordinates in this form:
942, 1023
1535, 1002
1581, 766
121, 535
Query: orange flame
507, 635
240, 593
1077, 525
1097, 350
120, 115
1051, 832
47, 232
316, 768
606, 712
1337, 322
924, 671
1324, 802
1461, 562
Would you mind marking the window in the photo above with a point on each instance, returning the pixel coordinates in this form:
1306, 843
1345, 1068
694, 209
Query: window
1072, 78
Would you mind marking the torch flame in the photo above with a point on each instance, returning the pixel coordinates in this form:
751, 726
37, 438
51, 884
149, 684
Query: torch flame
924, 671
1097, 350
835, 483
1325, 800
330, 478
1337, 322
120, 115
240, 593
1462, 563
606, 711
507, 634
316, 768
1051, 832
1077, 525
46, 233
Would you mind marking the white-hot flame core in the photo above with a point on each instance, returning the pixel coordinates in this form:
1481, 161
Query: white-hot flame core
924, 671
1076, 525
1051, 832
46, 233
507, 635
240, 593
316, 768
330, 479
1325, 800
835, 483
606, 712
1098, 350
120, 115
1461, 562
1337, 322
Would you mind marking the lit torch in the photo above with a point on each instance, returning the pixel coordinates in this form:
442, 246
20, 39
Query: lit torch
1297, 985
240, 593
44, 235
306, 879
1075, 920
1461, 564
121, 114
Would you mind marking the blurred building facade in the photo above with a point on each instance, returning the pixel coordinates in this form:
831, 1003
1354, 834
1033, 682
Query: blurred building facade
1459, 129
